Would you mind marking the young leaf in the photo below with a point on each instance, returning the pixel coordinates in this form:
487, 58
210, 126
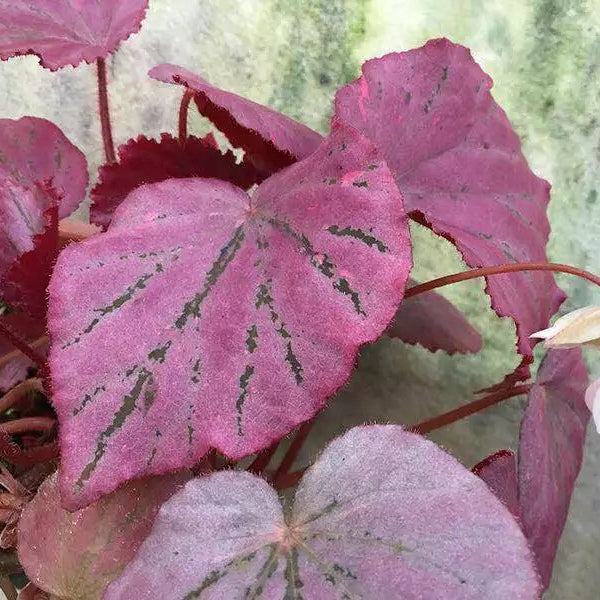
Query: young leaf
63, 32
204, 317
383, 513
33, 150
145, 160
460, 168
550, 452
75, 555
435, 323
271, 140
499, 471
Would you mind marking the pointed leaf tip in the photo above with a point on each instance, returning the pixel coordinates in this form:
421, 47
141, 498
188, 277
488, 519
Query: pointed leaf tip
247, 313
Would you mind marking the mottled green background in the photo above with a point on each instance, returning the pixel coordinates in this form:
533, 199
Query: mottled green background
544, 56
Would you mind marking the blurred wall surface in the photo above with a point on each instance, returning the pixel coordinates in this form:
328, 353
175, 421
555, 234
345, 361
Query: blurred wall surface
544, 57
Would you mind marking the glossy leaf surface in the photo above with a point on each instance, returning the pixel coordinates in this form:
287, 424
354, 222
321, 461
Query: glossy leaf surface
353, 532
204, 317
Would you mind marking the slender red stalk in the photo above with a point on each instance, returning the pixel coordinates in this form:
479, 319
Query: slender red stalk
262, 460
109, 147
7, 587
183, 114
292, 452
20, 344
497, 270
6, 358
18, 392
468, 409
288, 480
27, 424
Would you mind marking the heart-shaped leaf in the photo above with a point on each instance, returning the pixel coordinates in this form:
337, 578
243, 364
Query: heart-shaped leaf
271, 140
435, 323
383, 513
205, 317
499, 471
460, 168
550, 451
75, 555
145, 160
63, 32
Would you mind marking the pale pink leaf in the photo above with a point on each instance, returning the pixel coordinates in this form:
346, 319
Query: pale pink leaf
270, 139
435, 323
459, 165
550, 451
75, 555
499, 471
383, 513
208, 318
67, 32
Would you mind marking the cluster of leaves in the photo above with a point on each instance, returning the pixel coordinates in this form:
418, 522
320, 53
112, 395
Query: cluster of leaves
223, 303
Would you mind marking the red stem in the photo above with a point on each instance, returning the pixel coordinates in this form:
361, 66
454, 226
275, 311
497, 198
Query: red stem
27, 424
497, 270
262, 460
109, 147
188, 94
21, 344
292, 452
468, 409
18, 392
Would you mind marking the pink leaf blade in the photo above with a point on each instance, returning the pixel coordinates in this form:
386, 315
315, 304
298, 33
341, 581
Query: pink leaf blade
270, 139
550, 452
205, 279
499, 471
353, 531
434, 323
76, 555
461, 170
62, 32
144, 160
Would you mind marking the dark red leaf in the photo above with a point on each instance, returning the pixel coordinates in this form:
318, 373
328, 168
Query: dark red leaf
435, 323
271, 140
550, 451
499, 471
145, 160
64, 32
460, 168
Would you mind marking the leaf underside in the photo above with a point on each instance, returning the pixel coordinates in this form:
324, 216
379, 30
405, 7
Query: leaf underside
209, 318
352, 533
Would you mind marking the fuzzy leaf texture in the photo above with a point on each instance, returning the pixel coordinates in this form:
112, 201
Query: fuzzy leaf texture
353, 532
42, 177
67, 32
550, 452
145, 160
75, 555
271, 140
459, 165
206, 318
499, 471
435, 323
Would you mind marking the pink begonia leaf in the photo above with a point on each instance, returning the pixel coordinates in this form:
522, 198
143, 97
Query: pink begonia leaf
270, 139
206, 318
64, 32
459, 165
75, 555
383, 513
145, 160
33, 150
28, 329
435, 323
550, 451
499, 471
